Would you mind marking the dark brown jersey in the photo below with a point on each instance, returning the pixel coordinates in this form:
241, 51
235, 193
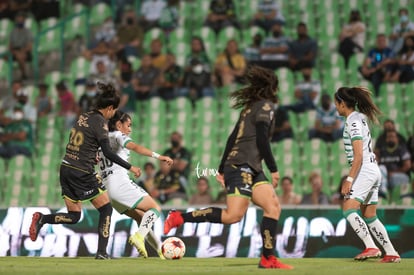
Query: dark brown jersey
245, 149
83, 144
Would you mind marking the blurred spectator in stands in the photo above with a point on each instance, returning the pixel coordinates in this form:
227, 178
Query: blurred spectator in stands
410, 147
129, 36
101, 53
202, 196
145, 79
288, 196
252, 52
107, 32
43, 101
282, 128
307, 93
303, 50
388, 125
230, 65
159, 59
14, 7
403, 29
352, 37
150, 13
221, 14
404, 64
20, 44
9, 102
87, 100
394, 161
67, 105
337, 197
328, 124
169, 186
146, 180
274, 50
17, 136
377, 63
128, 100
170, 79
29, 111
316, 196
169, 17
103, 74
268, 13
180, 154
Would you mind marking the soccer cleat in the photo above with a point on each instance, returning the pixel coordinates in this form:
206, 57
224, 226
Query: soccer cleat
35, 226
102, 256
368, 253
173, 220
138, 241
272, 262
159, 252
391, 259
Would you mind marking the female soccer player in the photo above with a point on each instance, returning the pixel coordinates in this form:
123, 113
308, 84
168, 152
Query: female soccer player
240, 170
78, 179
361, 186
126, 196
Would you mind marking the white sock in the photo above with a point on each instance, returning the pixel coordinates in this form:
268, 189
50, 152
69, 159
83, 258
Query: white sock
148, 221
361, 229
153, 241
381, 235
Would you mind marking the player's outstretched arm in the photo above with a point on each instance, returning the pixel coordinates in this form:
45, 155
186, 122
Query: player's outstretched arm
147, 152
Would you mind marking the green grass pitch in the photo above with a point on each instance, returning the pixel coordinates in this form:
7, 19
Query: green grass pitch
211, 266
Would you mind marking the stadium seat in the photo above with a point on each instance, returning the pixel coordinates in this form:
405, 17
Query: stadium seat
99, 13
75, 27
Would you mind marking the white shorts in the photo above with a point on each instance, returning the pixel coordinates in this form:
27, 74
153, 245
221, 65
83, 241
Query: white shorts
123, 192
366, 184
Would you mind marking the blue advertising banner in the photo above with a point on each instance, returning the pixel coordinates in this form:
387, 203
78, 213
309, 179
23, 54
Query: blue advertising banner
302, 232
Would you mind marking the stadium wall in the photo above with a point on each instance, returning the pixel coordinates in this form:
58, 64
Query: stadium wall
302, 232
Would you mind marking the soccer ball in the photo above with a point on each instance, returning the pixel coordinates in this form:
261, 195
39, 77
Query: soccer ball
173, 248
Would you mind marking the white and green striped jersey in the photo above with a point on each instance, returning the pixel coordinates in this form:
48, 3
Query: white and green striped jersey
356, 128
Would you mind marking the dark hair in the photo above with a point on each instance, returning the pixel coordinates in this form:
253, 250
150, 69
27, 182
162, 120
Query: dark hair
204, 179
262, 85
287, 178
359, 97
149, 164
118, 116
108, 96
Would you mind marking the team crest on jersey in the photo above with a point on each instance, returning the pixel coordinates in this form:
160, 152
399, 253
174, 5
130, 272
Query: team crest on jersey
266, 107
83, 121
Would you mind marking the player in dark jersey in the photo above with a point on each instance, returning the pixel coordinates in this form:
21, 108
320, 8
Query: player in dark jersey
78, 179
240, 170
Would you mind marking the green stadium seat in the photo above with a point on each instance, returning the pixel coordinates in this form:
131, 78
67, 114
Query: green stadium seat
225, 35
49, 41
75, 27
152, 34
98, 13
79, 69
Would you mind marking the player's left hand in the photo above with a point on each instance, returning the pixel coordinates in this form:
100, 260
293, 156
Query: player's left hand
166, 159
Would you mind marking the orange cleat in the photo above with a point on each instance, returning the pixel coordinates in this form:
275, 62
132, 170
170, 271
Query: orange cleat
35, 225
368, 253
173, 220
391, 259
272, 262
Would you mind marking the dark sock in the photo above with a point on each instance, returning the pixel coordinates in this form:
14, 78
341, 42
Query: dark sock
211, 214
268, 231
68, 218
105, 213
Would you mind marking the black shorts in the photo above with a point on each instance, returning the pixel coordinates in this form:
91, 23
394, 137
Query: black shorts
79, 185
241, 179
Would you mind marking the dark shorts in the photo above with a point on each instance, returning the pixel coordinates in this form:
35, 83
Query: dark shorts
79, 185
241, 179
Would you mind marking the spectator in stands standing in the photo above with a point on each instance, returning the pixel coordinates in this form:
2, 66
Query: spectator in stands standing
316, 196
221, 14
145, 80
202, 196
307, 93
328, 124
405, 63
268, 13
20, 44
150, 13
303, 50
170, 79
43, 102
288, 196
180, 155
352, 37
274, 50
129, 36
400, 31
230, 65
377, 63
